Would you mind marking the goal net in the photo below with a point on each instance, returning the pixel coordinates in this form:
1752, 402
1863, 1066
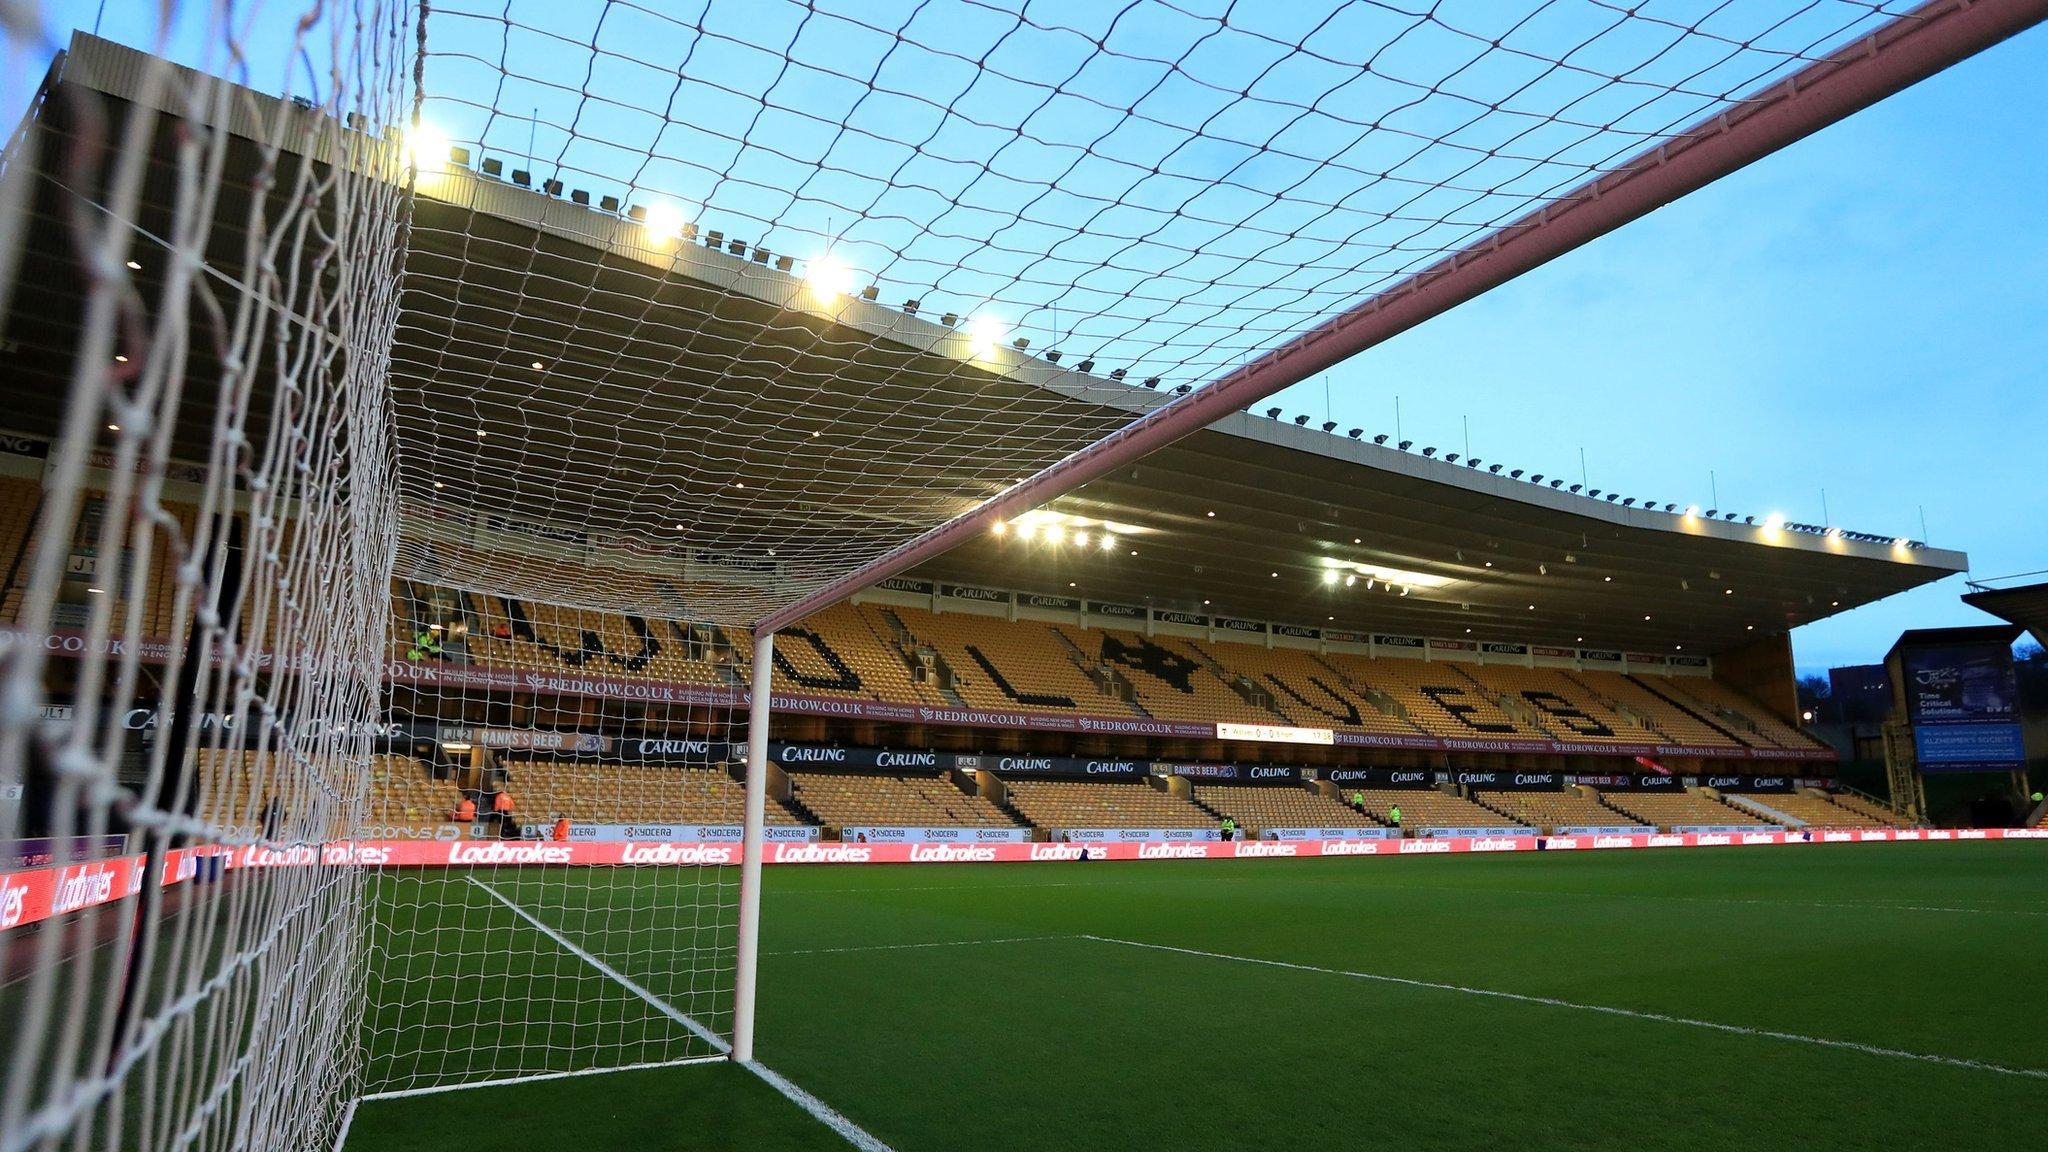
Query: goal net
424, 427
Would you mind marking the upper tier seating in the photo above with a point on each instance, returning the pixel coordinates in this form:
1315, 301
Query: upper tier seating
1551, 810
1169, 684
1649, 699
845, 651
1712, 697
1439, 699
1425, 808
1103, 804
1674, 809
847, 799
1257, 807
1006, 667
1568, 709
1305, 690
1809, 811
547, 790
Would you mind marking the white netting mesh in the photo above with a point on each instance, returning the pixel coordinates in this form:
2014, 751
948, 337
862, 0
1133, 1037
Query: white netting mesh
706, 307
684, 373
506, 968
195, 273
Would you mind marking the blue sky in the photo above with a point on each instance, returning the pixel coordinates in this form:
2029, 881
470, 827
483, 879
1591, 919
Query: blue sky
1865, 312
1861, 314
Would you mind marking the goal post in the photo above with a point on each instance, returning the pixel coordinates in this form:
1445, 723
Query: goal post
746, 978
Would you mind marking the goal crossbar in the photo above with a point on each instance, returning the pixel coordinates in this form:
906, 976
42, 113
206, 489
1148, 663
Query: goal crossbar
1910, 48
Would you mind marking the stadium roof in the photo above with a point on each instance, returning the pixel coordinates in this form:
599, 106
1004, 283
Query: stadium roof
1245, 517
2023, 604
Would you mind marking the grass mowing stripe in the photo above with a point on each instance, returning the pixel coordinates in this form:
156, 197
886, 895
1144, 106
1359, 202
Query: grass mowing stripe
925, 944
1603, 1009
1856, 906
660, 1005
534, 1077
825, 1114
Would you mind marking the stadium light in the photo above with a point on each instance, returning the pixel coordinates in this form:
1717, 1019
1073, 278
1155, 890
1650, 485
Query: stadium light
1516, 474
1355, 433
1329, 425
1080, 539
1380, 439
1272, 413
998, 528
1404, 445
1450, 457
135, 265
1775, 522
984, 334
1493, 468
427, 147
828, 279
1301, 421
1330, 576
1109, 543
664, 221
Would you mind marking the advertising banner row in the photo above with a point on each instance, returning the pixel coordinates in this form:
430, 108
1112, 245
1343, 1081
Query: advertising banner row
39, 893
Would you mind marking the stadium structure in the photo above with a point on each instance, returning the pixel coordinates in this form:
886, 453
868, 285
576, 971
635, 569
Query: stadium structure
490, 565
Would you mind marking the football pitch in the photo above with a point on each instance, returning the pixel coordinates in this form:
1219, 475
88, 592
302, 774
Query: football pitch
1847, 996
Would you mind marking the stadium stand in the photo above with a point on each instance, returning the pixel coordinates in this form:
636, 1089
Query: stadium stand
19, 499
1750, 718
404, 795
1306, 689
1877, 813
1438, 698
1670, 719
1258, 807
1566, 708
1424, 809
547, 790
1668, 810
846, 799
1102, 804
1007, 667
1548, 811
1798, 809
814, 656
1168, 684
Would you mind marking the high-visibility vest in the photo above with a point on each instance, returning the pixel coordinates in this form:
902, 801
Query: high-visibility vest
503, 802
466, 810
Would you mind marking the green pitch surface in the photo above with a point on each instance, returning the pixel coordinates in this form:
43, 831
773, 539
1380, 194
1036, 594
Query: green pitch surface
1851, 997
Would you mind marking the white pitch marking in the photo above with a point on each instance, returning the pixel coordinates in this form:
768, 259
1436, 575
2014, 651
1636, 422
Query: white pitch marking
536, 1077
660, 1005
824, 1113
1605, 1010
925, 944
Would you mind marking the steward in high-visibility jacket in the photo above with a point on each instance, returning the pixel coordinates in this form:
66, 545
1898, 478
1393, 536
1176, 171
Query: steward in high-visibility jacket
426, 645
465, 812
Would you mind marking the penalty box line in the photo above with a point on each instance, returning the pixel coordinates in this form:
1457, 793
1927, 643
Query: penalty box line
820, 1111
1602, 1009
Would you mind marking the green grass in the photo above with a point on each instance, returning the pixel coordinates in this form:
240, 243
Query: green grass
1061, 1042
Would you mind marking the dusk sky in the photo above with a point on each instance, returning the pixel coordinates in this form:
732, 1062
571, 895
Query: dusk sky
1864, 314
